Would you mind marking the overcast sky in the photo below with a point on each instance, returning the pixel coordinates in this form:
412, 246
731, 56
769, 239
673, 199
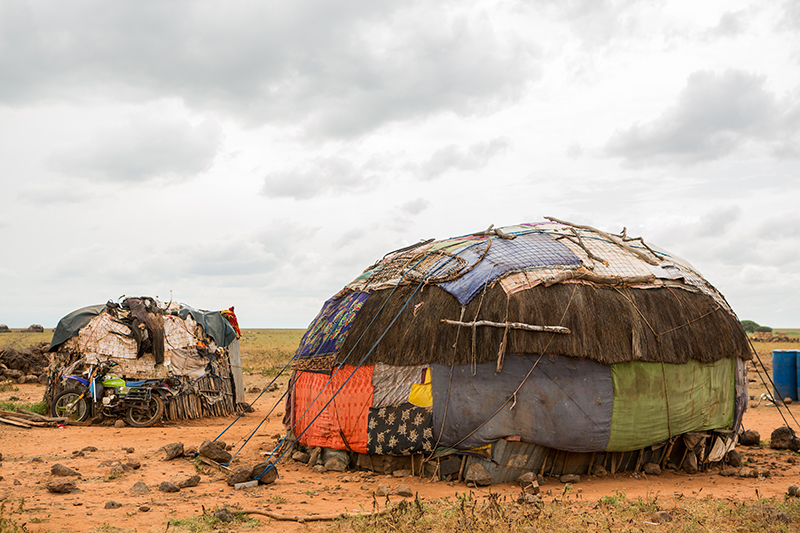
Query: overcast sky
262, 154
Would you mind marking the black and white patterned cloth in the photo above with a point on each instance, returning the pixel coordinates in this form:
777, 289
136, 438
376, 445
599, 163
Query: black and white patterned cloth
403, 429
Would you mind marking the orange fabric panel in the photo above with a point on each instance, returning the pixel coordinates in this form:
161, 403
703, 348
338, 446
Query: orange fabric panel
348, 412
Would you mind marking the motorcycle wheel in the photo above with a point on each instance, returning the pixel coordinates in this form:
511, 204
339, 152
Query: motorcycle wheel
145, 414
68, 403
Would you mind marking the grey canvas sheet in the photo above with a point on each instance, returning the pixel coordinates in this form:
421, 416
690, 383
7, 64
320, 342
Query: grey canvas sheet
565, 403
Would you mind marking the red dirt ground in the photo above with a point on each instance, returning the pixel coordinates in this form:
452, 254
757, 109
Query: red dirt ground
28, 455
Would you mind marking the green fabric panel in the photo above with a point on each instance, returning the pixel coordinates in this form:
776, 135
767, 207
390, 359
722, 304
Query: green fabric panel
700, 398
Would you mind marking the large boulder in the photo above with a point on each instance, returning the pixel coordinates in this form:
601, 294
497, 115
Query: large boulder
783, 438
215, 452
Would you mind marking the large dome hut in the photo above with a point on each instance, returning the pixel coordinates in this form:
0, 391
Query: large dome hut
547, 347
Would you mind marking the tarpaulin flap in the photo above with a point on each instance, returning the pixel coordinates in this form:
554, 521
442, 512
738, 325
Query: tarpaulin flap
525, 251
653, 401
565, 403
214, 324
343, 424
69, 326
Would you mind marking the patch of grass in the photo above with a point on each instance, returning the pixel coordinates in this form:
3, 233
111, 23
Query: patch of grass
267, 350
277, 498
492, 513
8, 525
39, 407
19, 339
8, 386
209, 522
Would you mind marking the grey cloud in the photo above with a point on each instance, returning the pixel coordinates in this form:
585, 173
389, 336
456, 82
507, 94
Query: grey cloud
337, 68
451, 157
415, 206
714, 114
320, 176
143, 149
730, 24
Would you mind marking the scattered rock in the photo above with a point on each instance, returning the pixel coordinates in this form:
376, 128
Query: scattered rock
364, 487
301, 457
185, 480
190, 451
746, 471
168, 486
651, 469
750, 437
240, 474
783, 439
17, 482
1, 456
404, 491
133, 464
773, 514
794, 490
272, 387
63, 471
268, 476
401, 473
570, 478
120, 424
529, 483
787, 400
530, 499
335, 465
729, 471
253, 390
144, 508
660, 517
172, 450
478, 475
599, 470
382, 490
117, 470
214, 451
223, 515
762, 472
111, 504
130, 449
319, 469
139, 488
734, 459
61, 486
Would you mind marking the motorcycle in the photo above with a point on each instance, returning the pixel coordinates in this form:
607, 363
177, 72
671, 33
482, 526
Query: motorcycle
142, 402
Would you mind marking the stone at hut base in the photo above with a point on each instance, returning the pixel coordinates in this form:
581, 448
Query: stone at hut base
651, 469
478, 475
570, 478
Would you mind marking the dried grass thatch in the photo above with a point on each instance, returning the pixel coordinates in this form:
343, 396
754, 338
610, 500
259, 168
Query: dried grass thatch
607, 324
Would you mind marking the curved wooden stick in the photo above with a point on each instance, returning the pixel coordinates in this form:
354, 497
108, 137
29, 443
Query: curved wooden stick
613, 238
311, 518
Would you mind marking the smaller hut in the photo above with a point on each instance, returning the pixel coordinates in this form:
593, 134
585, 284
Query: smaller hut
148, 340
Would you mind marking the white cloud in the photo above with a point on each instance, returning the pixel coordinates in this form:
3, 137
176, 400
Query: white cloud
715, 114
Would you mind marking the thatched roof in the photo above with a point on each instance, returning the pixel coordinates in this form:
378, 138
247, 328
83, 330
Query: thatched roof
621, 300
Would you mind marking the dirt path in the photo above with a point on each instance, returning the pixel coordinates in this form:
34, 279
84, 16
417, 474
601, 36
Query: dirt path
29, 454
